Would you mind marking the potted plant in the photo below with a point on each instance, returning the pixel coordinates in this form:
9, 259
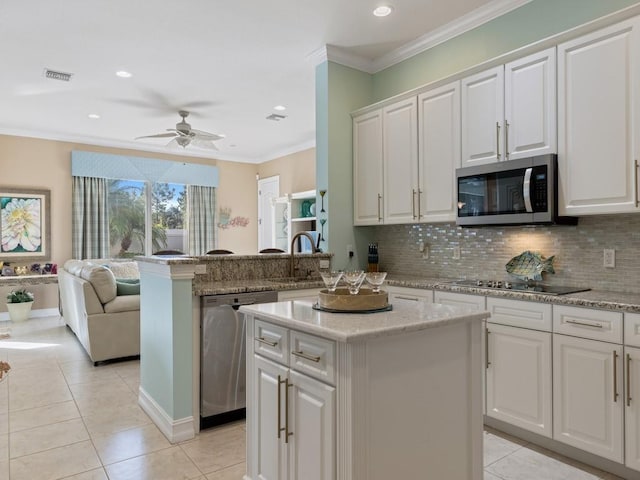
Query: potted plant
19, 304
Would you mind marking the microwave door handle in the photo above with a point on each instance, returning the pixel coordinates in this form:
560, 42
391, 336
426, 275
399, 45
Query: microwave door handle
526, 190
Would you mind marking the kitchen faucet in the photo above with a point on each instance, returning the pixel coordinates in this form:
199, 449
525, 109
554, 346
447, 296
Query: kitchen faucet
292, 267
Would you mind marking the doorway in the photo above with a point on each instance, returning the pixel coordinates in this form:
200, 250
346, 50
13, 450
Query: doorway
268, 190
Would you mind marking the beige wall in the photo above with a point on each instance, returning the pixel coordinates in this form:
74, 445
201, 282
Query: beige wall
46, 164
297, 171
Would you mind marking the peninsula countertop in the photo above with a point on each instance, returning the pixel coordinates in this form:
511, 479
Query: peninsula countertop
405, 317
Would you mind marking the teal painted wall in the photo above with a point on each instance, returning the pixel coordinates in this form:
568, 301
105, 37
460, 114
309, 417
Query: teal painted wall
532, 22
166, 334
339, 91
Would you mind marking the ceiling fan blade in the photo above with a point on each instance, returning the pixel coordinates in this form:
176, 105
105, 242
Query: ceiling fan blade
207, 135
159, 135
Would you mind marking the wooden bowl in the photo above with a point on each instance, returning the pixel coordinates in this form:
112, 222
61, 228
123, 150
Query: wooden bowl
342, 300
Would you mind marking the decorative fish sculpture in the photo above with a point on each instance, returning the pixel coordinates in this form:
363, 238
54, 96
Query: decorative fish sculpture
529, 266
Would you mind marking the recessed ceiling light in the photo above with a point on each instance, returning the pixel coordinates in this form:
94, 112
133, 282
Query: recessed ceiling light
93, 116
382, 11
124, 74
280, 108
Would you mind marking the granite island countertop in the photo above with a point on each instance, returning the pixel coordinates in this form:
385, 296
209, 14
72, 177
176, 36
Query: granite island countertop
405, 317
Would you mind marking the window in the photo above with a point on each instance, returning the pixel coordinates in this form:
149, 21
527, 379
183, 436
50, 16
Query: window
129, 222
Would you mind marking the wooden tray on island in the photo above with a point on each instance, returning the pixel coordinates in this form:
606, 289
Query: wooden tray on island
342, 301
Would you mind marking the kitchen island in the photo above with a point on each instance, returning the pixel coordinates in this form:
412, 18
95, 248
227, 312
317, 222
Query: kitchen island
395, 394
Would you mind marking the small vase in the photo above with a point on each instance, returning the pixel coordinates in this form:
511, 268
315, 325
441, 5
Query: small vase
19, 312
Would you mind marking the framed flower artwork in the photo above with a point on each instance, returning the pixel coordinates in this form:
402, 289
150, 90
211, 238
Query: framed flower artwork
25, 228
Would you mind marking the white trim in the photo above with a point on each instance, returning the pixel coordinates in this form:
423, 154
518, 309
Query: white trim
175, 430
460, 25
300, 147
174, 271
39, 313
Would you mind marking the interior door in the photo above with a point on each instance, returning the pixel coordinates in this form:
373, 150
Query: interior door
268, 191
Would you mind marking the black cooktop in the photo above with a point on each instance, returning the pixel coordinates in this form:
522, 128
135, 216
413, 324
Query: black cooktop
521, 286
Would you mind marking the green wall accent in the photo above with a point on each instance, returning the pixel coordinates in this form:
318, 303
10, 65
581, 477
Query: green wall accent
166, 335
532, 22
339, 91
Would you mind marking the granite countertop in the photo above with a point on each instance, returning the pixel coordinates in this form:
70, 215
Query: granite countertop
405, 317
14, 280
258, 285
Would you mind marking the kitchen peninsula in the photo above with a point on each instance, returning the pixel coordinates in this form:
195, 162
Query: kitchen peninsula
395, 394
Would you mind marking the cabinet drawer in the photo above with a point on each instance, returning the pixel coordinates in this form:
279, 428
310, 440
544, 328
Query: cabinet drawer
518, 313
314, 356
632, 329
588, 323
411, 294
459, 299
271, 341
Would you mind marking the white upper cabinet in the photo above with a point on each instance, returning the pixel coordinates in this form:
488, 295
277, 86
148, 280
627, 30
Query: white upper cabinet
509, 111
482, 117
530, 105
439, 153
367, 168
598, 110
400, 160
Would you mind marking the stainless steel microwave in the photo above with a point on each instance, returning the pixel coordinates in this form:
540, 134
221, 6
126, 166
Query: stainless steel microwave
515, 192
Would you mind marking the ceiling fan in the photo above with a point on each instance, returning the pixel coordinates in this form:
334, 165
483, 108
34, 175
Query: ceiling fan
184, 135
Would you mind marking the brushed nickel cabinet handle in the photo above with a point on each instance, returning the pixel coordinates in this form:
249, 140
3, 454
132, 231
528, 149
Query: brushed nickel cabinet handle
628, 380
584, 324
287, 433
267, 342
486, 347
506, 140
379, 209
498, 140
280, 429
419, 212
306, 356
615, 375
413, 203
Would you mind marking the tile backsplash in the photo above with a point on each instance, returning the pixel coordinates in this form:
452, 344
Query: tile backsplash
485, 251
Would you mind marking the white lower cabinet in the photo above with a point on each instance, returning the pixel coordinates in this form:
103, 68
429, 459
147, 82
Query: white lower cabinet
588, 398
519, 377
293, 424
304, 294
411, 294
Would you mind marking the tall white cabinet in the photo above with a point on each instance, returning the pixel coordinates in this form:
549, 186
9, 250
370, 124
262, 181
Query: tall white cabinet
509, 111
367, 168
598, 115
438, 153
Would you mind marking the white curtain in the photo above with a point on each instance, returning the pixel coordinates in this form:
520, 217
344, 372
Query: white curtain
201, 209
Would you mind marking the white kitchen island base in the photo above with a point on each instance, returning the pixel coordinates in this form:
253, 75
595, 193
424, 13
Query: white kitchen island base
402, 402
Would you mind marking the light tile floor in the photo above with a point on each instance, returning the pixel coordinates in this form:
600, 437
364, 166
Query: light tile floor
63, 418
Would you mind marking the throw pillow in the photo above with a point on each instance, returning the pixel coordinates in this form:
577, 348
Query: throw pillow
127, 286
125, 269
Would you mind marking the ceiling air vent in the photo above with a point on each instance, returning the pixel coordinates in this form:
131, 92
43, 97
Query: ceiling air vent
275, 117
55, 75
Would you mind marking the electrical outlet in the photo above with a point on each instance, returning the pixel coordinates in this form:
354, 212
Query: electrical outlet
421, 246
324, 263
456, 253
425, 252
350, 251
609, 258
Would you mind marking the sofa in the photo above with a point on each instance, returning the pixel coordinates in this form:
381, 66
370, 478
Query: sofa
101, 306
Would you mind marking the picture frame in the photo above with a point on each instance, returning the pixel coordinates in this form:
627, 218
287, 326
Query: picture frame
25, 224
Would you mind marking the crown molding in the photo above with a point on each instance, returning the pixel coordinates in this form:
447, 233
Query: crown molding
429, 40
440, 35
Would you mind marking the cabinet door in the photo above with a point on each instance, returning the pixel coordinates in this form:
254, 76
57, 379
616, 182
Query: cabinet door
367, 168
632, 401
598, 121
587, 413
400, 160
270, 452
519, 377
530, 105
439, 153
482, 117
312, 420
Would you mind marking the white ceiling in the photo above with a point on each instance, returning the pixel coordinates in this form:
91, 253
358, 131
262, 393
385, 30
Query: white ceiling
227, 62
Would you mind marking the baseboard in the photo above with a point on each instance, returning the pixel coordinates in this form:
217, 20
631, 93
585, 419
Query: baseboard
40, 313
175, 430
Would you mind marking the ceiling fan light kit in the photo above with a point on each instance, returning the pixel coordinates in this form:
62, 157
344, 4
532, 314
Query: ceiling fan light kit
183, 135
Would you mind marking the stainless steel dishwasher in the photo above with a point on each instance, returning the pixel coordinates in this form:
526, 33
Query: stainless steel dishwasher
222, 356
